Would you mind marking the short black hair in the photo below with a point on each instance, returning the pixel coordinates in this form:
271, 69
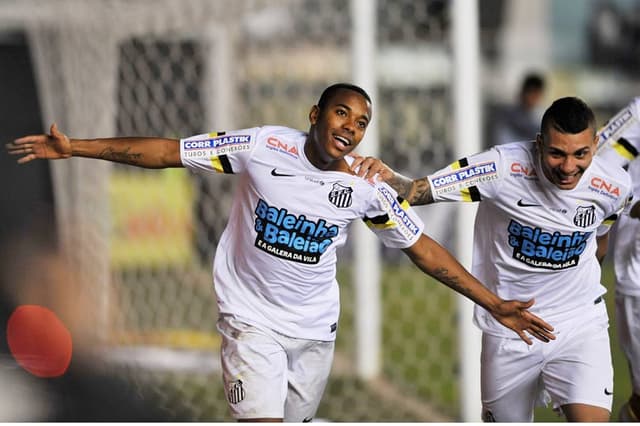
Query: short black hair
532, 82
569, 115
331, 90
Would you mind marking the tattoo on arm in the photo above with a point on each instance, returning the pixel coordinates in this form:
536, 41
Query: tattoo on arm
421, 192
442, 274
121, 157
402, 185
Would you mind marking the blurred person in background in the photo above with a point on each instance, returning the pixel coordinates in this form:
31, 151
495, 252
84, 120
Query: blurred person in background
541, 231
275, 272
52, 367
620, 144
519, 121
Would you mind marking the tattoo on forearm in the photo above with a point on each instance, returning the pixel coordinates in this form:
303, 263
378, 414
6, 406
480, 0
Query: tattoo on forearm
121, 157
402, 185
442, 274
421, 192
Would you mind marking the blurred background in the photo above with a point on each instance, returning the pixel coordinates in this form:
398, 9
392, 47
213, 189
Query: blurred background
123, 255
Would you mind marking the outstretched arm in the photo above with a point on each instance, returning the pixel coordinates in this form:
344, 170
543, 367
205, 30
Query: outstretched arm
436, 261
416, 191
153, 153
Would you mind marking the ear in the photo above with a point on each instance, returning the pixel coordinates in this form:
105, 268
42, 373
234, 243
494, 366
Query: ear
313, 114
596, 139
539, 141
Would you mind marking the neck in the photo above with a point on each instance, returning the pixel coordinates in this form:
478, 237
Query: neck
323, 162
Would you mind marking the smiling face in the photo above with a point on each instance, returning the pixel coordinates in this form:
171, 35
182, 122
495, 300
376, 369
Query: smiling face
337, 127
567, 142
564, 156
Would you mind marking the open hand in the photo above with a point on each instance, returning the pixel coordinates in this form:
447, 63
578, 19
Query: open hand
53, 146
514, 315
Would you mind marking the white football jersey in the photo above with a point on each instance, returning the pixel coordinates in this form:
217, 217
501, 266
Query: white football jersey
276, 260
620, 144
533, 240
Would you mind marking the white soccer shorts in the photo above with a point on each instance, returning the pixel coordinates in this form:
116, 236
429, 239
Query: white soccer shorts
575, 368
628, 324
268, 375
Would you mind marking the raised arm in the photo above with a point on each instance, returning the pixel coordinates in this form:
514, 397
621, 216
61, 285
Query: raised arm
147, 152
416, 191
436, 261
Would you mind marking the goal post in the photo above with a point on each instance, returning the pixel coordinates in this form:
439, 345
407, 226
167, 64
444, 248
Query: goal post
466, 101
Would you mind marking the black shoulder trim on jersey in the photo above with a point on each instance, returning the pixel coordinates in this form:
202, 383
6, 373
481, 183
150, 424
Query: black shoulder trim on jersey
611, 218
221, 133
463, 162
400, 199
474, 192
226, 164
378, 219
627, 145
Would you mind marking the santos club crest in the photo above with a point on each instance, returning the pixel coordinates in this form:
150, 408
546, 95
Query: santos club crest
340, 196
585, 216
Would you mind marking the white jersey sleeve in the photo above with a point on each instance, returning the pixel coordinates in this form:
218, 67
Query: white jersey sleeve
392, 219
468, 179
619, 141
620, 144
222, 152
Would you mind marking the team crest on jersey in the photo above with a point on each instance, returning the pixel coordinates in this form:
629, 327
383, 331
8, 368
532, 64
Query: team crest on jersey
235, 392
585, 216
340, 196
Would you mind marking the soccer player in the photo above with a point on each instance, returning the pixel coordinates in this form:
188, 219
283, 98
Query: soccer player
620, 144
275, 272
540, 232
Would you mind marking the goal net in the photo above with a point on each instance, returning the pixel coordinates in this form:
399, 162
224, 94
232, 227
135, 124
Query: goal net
142, 242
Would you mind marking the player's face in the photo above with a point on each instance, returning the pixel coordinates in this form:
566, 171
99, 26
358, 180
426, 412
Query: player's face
565, 157
338, 128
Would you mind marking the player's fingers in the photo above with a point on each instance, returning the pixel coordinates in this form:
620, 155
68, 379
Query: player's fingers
524, 337
542, 333
539, 322
19, 149
26, 158
27, 139
356, 163
374, 168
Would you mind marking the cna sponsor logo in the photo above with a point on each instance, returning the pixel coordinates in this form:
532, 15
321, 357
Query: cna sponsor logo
526, 170
615, 124
277, 145
212, 147
540, 249
400, 216
601, 186
291, 237
464, 177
